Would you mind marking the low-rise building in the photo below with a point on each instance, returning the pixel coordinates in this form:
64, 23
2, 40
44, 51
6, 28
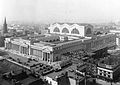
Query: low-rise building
65, 77
109, 68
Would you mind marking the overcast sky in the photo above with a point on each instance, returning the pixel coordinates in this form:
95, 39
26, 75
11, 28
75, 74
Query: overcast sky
60, 10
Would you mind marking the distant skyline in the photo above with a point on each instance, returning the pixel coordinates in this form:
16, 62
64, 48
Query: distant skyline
50, 11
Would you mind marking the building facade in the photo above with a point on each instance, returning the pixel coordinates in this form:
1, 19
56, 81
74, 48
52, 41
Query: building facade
74, 29
117, 32
50, 47
109, 68
108, 72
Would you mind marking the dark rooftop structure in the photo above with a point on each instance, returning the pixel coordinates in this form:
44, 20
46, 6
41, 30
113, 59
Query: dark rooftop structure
38, 82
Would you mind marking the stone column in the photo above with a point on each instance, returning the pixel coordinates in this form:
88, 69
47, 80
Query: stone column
19, 48
45, 56
51, 57
42, 55
29, 50
48, 56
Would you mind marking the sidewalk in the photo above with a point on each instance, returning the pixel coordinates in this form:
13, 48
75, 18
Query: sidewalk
18, 64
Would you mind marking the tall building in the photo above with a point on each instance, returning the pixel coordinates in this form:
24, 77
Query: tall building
5, 27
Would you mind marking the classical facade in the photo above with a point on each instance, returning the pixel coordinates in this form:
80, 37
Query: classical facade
50, 47
25, 47
53, 49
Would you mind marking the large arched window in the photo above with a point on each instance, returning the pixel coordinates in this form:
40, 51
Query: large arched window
65, 30
88, 31
75, 31
56, 29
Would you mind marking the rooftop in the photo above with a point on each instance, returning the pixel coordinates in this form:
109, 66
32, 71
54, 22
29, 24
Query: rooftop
32, 37
110, 62
57, 74
51, 40
45, 44
81, 24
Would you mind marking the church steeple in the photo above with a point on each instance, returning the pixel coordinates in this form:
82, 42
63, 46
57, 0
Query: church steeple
5, 21
5, 26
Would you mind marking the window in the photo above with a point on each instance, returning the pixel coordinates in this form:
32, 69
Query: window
65, 30
104, 71
104, 74
100, 70
37, 53
88, 31
109, 76
75, 31
56, 29
100, 73
88, 46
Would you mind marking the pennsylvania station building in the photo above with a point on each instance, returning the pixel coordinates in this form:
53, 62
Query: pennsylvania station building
60, 39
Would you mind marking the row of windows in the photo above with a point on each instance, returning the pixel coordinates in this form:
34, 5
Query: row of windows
106, 75
15, 47
37, 53
65, 30
99, 42
70, 45
104, 71
24, 50
110, 39
88, 45
74, 31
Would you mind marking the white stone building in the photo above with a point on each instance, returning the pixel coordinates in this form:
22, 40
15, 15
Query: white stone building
109, 68
74, 29
50, 47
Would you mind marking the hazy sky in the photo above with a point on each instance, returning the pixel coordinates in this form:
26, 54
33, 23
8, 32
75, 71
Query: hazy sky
60, 10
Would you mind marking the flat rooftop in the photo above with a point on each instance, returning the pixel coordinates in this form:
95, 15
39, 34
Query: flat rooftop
34, 37
59, 42
54, 39
45, 43
110, 62
54, 74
